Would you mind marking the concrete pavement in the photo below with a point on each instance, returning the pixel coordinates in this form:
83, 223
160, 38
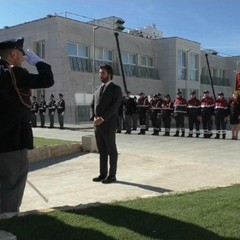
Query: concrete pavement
148, 166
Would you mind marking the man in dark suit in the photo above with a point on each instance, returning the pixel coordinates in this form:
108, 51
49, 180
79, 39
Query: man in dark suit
105, 105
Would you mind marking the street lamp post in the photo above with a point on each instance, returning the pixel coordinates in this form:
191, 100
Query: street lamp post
187, 72
93, 64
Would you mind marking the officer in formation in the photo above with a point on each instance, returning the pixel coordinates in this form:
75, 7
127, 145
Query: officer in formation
197, 111
52, 106
120, 123
135, 114
60, 110
143, 108
42, 110
180, 110
34, 112
51, 110
128, 108
234, 112
167, 113
194, 114
221, 115
155, 113
207, 111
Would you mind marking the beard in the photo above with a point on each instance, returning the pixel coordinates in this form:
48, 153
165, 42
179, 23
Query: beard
104, 80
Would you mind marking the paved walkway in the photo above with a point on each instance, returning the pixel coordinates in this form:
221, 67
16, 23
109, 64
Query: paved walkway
148, 166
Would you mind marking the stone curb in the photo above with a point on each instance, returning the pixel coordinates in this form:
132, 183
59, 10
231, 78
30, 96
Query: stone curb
54, 151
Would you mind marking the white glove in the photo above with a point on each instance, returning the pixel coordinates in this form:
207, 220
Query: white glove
31, 57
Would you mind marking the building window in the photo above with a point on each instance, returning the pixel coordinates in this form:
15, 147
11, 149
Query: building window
82, 51
182, 69
129, 58
146, 61
143, 61
105, 55
40, 48
150, 62
78, 50
72, 49
193, 67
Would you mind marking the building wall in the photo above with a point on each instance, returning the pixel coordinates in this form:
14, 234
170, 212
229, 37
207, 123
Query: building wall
77, 87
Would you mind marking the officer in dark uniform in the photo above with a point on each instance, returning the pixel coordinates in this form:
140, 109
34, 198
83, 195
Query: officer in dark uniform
167, 112
207, 109
120, 118
51, 110
194, 114
34, 111
155, 113
135, 114
42, 110
143, 106
221, 114
61, 110
128, 106
16, 133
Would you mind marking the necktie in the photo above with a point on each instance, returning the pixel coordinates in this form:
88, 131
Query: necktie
102, 90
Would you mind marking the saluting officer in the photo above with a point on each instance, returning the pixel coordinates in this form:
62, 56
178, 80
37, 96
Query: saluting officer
51, 110
194, 114
15, 128
143, 106
42, 110
207, 110
167, 112
180, 110
221, 114
34, 111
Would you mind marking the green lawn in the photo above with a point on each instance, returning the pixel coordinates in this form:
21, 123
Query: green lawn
38, 142
203, 215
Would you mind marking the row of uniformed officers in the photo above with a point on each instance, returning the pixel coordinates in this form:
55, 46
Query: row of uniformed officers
52, 106
197, 111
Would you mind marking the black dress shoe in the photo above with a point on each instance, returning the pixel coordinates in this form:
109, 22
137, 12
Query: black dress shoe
99, 178
109, 179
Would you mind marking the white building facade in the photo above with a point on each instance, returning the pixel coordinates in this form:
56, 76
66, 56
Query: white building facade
151, 65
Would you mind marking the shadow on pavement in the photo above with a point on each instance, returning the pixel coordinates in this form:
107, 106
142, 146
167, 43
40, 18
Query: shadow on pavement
144, 186
50, 162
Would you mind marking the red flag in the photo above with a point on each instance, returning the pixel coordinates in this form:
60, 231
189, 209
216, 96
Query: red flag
237, 87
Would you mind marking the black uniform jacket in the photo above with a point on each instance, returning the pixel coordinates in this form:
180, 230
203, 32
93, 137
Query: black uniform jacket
15, 128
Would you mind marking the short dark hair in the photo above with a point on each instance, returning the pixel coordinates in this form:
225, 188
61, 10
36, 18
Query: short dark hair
108, 68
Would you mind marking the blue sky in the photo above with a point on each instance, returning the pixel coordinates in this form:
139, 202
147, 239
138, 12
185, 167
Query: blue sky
213, 23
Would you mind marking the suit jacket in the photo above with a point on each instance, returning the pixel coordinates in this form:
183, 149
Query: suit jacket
107, 105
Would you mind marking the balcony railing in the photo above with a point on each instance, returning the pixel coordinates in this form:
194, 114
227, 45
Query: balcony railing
216, 81
85, 65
